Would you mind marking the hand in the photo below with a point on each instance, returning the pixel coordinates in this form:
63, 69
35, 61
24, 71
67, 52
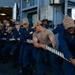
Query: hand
3, 38
18, 39
5, 33
28, 41
43, 46
72, 61
12, 39
31, 32
31, 41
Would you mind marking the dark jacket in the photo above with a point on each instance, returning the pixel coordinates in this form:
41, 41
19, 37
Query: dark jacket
67, 44
24, 35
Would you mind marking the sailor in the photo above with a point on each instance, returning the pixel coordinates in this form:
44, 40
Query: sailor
29, 49
10, 42
67, 45
41, 38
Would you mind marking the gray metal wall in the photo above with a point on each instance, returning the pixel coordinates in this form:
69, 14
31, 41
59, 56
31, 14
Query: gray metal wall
7, 3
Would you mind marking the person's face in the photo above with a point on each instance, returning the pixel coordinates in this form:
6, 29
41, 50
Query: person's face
26, 25
37, 28
17, 26
70, 30
9, 31
7, 24
44, 23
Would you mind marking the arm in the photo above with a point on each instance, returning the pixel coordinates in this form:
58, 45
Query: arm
35, 42
38, 45
22, 37
65, 49
52, 38
64, 46
56, 30
15, 34
53, 41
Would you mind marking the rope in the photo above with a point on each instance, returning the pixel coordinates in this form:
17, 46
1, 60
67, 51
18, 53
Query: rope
58, 53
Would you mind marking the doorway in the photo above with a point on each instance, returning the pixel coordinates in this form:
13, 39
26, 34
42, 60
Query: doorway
29, 16
5, 14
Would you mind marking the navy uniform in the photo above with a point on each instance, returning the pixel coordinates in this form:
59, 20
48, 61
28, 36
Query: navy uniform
67, 45
15, 50
68, 48
20, 60
17, 38
6, 25
59, 60
58, 29
10, 42
1, 38
29, 49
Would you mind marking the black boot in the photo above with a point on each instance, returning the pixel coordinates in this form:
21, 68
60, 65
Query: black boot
27, 71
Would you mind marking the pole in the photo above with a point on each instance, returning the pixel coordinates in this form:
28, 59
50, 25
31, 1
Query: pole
38, 9
20, 11
66, 3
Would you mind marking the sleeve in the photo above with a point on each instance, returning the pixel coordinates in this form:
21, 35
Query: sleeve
64, 46
50, 33
22, 37
15, 34
7, 37
56, 30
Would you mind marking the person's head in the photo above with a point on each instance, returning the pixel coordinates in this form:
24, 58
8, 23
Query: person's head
44, 22
10, 30
17, 25
37, 25
1, 26
4, 22
25, 23
68, 24
7, 24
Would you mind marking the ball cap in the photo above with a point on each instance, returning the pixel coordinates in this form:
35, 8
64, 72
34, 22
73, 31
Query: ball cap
25, 21
35, 23
68, 22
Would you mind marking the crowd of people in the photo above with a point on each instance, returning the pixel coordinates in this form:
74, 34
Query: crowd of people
25, 46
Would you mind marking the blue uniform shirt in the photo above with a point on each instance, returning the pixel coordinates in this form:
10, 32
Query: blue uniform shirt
67, 44
58, 29
9, 36
24, 35
16, 33
5, 33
